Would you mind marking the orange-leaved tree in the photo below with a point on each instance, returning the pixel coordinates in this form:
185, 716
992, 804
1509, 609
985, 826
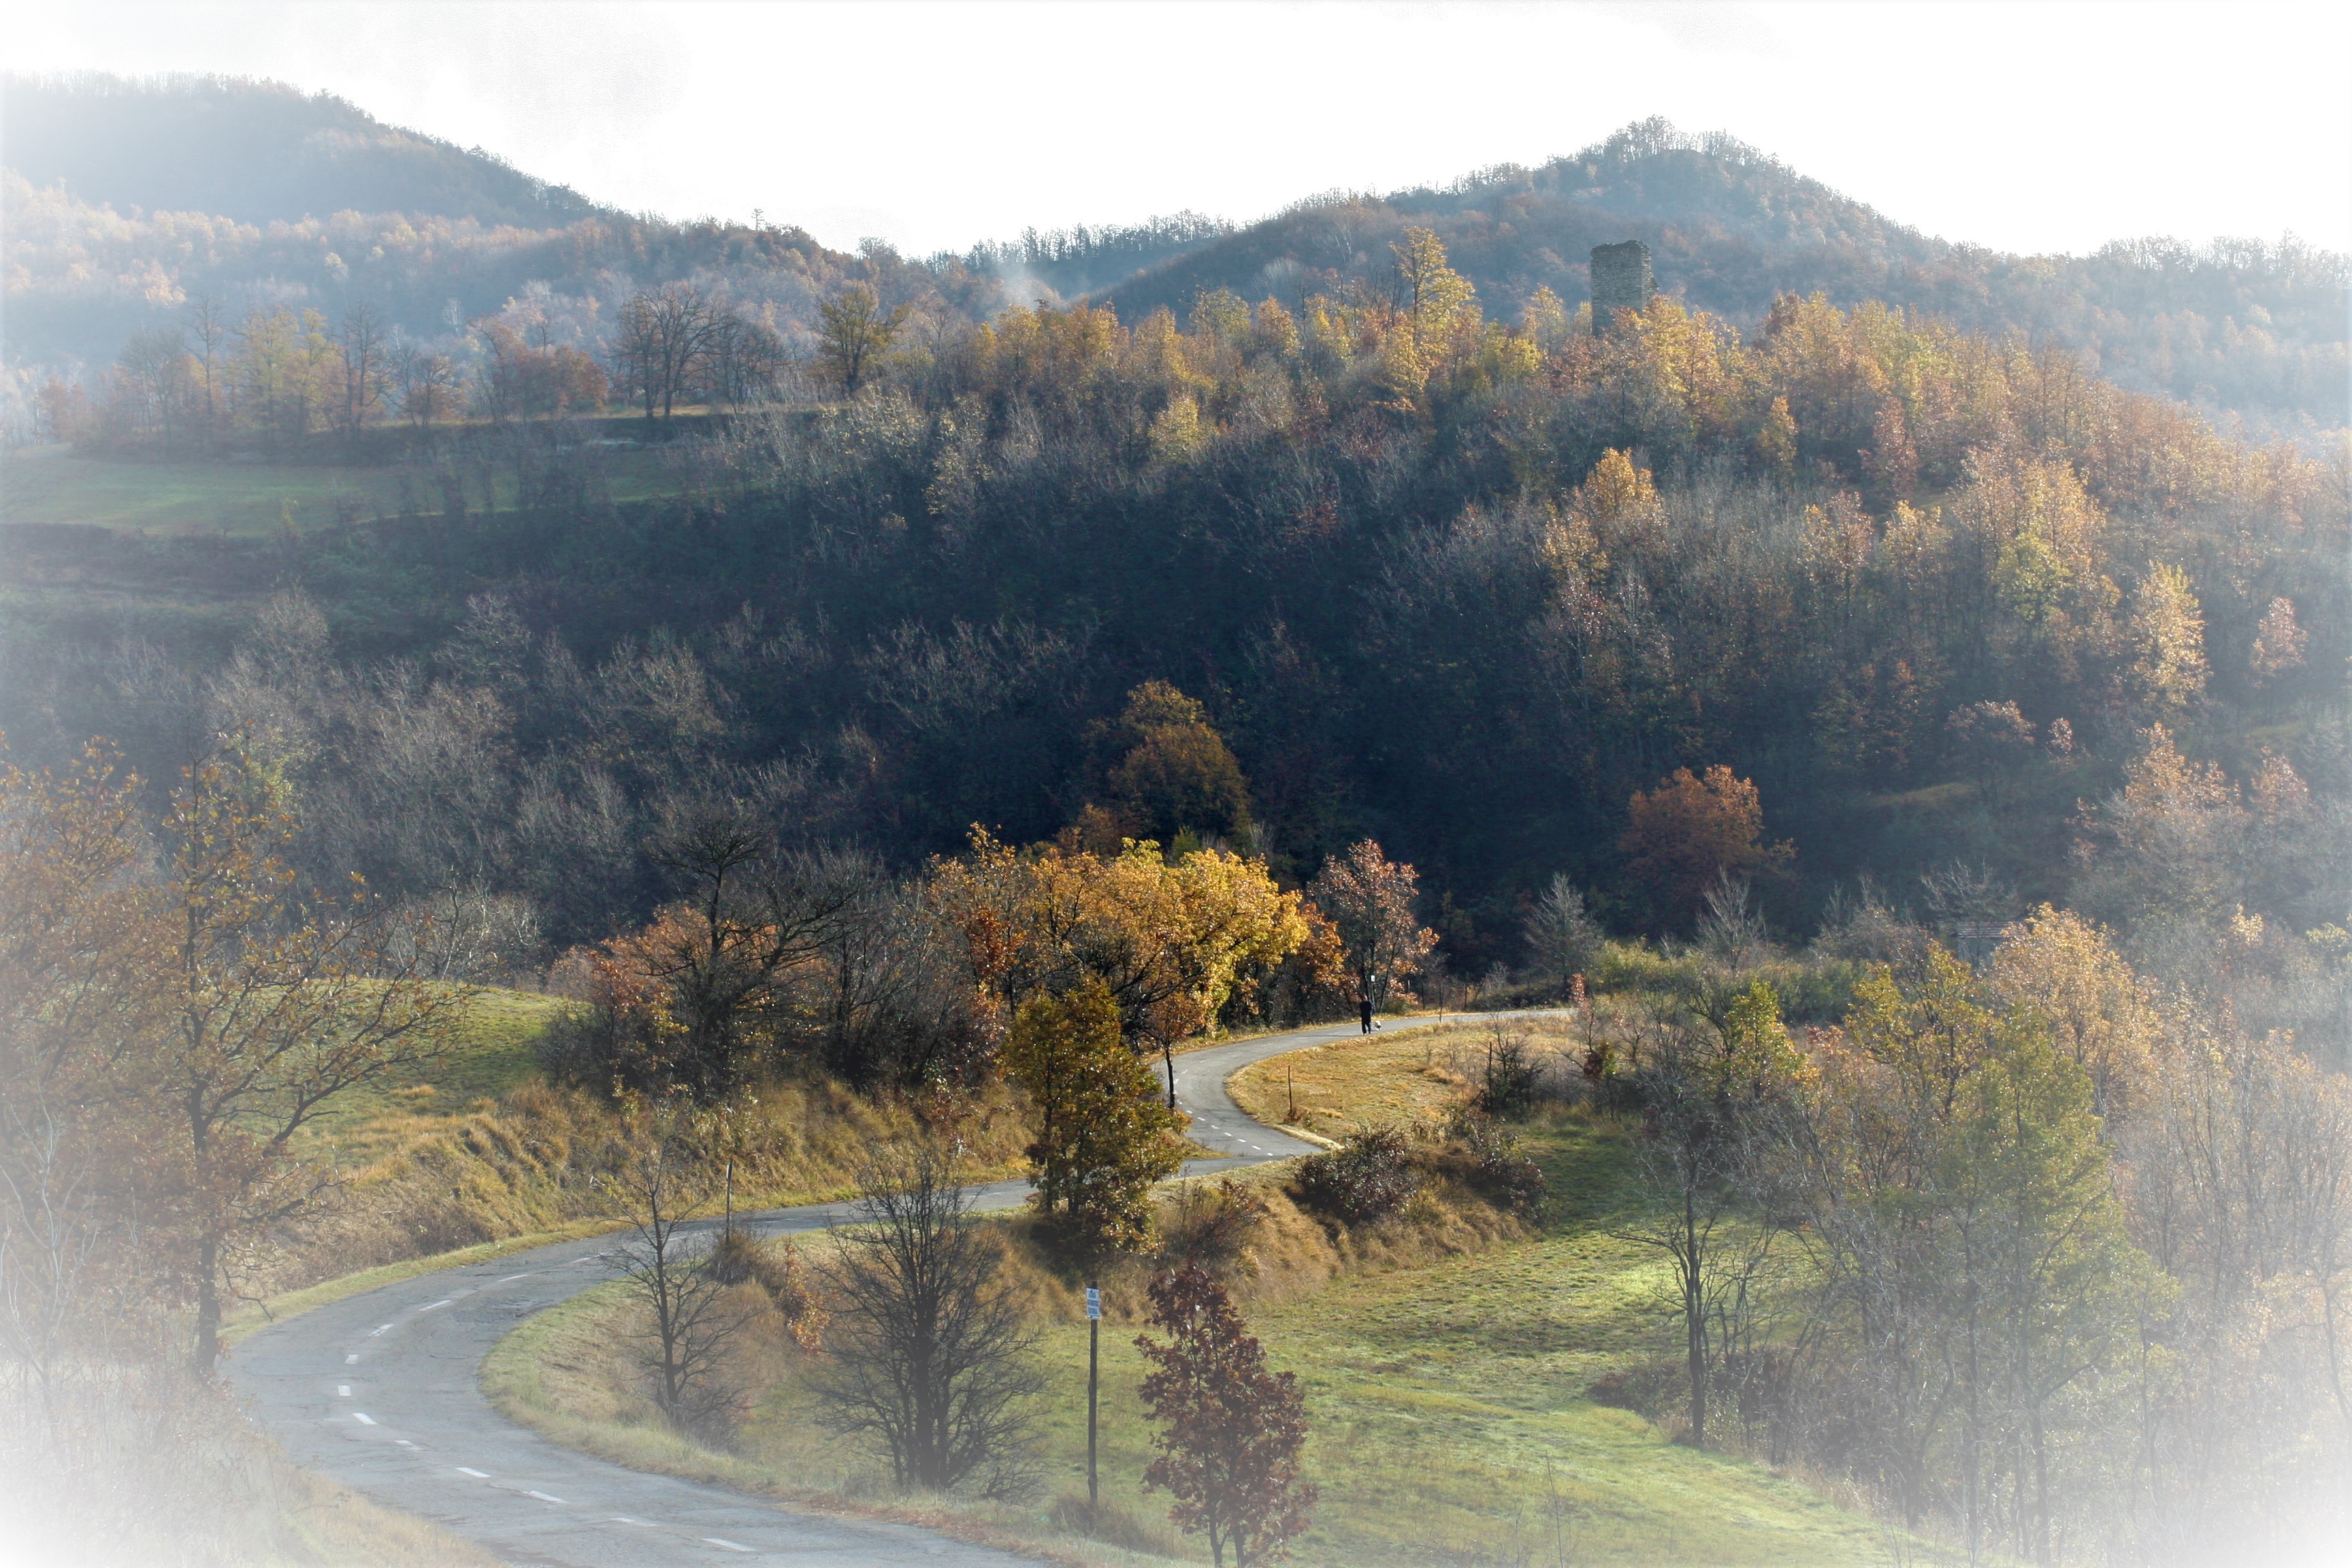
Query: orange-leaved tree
1173, 943
1232, 1432
1370, 898
1688, 831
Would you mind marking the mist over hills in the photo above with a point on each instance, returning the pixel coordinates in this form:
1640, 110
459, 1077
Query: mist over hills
257, 152
124, 199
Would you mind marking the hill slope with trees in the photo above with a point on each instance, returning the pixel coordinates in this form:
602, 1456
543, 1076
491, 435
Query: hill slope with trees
254, 153
2240, 327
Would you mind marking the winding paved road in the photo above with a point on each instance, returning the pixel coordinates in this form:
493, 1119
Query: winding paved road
382, 1392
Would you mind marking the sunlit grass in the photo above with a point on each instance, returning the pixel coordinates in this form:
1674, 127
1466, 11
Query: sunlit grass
493, 1049
1450, 1403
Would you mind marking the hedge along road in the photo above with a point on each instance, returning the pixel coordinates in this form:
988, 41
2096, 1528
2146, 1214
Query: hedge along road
382, 1392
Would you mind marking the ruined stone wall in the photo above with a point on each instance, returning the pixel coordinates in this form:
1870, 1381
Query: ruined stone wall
1621, 282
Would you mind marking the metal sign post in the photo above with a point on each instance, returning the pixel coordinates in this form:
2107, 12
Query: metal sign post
1094, 1383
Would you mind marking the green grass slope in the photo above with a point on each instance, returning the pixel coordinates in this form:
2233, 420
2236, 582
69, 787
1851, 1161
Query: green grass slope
1451, 1408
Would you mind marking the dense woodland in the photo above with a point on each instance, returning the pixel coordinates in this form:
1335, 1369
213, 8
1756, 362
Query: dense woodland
1462, 584
1922, 763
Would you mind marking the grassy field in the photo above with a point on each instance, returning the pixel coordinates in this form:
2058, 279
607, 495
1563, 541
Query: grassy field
1409, 1078
53, 485
1450, 1401
495, 1050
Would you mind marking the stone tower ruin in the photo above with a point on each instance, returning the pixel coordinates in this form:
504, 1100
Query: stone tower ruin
1621, 282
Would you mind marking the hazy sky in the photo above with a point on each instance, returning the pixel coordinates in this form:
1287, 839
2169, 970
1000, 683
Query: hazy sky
2028, 127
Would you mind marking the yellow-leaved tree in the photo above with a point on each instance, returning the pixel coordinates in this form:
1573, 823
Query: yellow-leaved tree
1102, 1138
1173, 942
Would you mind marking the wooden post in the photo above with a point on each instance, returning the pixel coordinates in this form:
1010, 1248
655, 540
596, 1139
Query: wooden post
1094, 1386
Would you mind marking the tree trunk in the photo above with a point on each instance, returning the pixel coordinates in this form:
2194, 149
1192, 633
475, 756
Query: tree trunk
1694, 1305
205, 1352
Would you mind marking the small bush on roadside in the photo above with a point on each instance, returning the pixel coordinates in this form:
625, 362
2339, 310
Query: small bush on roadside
1211, 1227
777, 1268
1368, 1177
1496, 1166
1510, 1077
1109, 1522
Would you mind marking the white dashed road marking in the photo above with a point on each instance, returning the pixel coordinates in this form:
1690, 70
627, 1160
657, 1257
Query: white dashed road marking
434, 1304
374, 1333
469, 1470
544, 1497
727, 1545
342, 1390
363, 1419
351, 1361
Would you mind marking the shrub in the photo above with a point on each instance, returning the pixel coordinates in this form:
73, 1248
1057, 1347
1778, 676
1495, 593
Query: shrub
1498, 1168
1369, 1177
1508, 1081
1210, 1226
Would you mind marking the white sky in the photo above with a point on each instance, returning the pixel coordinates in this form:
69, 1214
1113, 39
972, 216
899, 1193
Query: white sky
2026, 127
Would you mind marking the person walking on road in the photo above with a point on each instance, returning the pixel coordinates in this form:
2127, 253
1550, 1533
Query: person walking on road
1367, 1009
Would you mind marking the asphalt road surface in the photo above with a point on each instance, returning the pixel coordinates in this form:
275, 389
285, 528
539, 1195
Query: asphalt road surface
382, 1392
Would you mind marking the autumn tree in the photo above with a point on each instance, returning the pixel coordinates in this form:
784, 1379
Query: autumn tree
2167, 637
1103, 1139
2099, 1015
1232, 1435
1173, 942
79, 1156
854, 336
1170, 774
1689, 830
1370, 898
272, 1004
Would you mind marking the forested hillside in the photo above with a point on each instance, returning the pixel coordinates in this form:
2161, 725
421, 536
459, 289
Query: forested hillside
2240, 327
253, 152
128, 203
1479, 587
889, 708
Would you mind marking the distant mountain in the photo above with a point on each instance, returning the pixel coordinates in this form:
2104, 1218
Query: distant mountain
254, 151
2239, 328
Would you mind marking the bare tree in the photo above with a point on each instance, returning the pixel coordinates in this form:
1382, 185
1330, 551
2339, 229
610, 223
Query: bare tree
661, 1180
1690, 1164
755, 915
208, 319
1561, 935
666, 334
1731, 929
931, 1356
364, 351
428, 387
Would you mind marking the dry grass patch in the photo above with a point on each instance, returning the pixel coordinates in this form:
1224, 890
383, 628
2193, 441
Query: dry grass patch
1412, 1077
